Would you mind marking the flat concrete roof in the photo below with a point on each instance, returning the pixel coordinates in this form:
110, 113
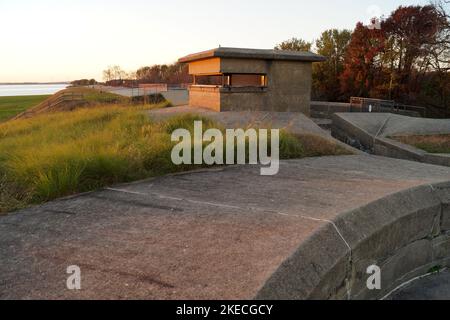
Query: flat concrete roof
262, 54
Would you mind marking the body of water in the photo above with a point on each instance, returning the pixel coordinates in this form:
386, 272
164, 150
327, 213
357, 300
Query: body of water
7, 90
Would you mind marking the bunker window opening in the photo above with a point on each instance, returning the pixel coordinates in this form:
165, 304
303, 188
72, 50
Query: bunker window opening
209, 80
231, 80
247, 80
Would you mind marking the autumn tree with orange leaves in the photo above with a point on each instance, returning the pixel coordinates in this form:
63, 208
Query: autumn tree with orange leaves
403, 59
406, 58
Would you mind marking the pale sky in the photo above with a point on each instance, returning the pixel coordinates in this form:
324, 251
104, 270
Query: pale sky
60, 40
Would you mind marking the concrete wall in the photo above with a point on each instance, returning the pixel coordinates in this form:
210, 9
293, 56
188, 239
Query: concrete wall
177, 97
325, 109
289, 86
244, 66
240, 99
405, 234
205, 97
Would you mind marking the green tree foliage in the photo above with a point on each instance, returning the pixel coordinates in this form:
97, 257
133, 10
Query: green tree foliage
333, 45
84, 82
294, 44
172, 74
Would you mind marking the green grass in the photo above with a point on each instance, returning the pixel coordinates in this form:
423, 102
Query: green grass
12, 106
59, 154
429, 143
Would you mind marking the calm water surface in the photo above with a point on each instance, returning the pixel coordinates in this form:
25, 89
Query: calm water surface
29, 89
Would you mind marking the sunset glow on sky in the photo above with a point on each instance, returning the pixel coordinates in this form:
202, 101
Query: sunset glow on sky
50, 40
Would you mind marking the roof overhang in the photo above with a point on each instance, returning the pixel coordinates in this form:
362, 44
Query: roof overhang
259, 54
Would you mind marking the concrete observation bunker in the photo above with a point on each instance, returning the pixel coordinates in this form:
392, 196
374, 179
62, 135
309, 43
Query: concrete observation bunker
234, 79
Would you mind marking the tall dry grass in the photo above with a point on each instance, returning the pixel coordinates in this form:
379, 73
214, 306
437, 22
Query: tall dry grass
430, 143
59, 154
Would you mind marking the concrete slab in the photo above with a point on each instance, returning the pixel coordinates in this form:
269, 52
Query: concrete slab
215, 234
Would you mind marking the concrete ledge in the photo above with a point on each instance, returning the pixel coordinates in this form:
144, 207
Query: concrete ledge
351, 133
318, 269
405, 234
394, 149
438, 159
369, 132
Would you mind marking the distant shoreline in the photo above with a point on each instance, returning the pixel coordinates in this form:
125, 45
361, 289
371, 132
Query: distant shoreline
31, 83
31, 89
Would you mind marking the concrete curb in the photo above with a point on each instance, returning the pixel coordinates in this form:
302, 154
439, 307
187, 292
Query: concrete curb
405, 234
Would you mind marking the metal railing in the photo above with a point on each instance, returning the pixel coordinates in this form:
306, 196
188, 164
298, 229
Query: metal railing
358, 104
65, 97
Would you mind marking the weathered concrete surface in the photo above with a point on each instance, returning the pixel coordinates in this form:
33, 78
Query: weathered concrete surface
215, 234
402, 233
372, 132
433, 287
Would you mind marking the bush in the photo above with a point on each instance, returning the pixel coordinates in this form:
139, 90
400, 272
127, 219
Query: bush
156, 98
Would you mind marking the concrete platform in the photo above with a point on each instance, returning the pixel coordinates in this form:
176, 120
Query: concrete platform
229, 233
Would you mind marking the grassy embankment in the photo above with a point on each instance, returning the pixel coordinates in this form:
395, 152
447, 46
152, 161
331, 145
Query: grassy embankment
73, 98
429, 143
12, 106
57, 154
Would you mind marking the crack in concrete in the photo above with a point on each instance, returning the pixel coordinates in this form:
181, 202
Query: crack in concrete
137, 203
238, 208
60, 212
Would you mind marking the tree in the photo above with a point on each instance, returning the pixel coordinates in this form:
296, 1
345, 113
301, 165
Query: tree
173, 74
404, 57
115, 73
294, 44
332, 44
413, 34
361, 63
119, 73
84, 82
108, 74
439, 59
